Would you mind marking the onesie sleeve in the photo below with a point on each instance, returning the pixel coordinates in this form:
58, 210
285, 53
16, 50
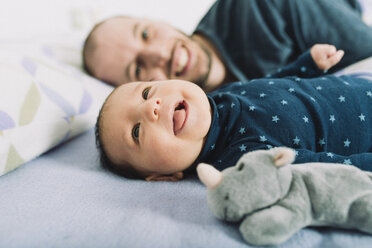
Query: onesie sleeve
362, 160
304, 67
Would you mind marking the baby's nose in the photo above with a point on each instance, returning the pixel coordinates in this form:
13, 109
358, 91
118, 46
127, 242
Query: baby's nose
152, 109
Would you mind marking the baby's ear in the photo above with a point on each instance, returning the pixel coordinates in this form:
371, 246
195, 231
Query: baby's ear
208, 175
283, 156
172, 178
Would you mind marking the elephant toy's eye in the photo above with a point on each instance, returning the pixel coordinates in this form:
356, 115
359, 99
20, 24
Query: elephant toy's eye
240, 166
226, 197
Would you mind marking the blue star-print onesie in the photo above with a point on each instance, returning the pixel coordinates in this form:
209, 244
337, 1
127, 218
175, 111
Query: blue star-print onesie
325, 119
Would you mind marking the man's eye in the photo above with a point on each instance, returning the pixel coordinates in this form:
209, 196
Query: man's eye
135, 132
145, 93
138, 71
145, 34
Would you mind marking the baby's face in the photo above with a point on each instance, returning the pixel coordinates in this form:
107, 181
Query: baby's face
158, 127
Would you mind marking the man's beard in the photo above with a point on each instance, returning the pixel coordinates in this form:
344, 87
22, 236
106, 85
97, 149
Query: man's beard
202, 80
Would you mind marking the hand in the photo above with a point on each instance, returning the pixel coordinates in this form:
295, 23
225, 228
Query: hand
325, 56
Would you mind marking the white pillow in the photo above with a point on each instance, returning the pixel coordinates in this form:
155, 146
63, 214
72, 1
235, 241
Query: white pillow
361, 69
43, 102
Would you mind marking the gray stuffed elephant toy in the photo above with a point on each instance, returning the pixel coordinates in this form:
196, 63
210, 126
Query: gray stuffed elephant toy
274, 199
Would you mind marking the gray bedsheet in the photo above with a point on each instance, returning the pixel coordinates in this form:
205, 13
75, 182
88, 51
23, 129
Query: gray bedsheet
64, 199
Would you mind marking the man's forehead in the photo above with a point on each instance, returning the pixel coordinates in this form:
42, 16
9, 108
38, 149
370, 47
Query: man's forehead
121, 22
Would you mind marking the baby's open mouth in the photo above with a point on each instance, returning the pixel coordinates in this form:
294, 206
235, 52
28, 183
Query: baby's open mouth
179, 117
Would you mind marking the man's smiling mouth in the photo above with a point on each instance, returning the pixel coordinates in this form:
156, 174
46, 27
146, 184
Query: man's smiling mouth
179, 117
182, 62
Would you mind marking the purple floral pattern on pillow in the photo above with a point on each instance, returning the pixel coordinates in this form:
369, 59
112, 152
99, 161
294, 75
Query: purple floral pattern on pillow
29, 66
6, 122
86, 102
59, 100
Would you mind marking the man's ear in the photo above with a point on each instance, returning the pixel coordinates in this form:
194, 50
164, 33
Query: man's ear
172, 178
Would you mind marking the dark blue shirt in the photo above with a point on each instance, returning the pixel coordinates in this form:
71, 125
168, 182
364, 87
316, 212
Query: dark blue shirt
256, 37
325, 119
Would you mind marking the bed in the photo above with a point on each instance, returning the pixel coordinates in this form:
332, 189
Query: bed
59, 196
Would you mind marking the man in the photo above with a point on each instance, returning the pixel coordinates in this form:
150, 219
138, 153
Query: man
235, 40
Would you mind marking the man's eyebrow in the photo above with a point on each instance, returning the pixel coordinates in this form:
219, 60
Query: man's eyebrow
135, 29
127, 70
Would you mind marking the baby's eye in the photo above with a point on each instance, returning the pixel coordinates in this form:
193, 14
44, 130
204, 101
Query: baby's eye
145, 93
135, 132
138, 71
145, 34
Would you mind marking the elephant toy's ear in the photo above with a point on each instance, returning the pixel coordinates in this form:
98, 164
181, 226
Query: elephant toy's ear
283, 156
208, 175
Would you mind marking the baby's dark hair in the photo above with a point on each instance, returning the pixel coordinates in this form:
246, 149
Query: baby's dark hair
126, 171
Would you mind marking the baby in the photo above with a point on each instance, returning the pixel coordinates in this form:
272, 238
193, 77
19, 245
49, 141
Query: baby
160, 129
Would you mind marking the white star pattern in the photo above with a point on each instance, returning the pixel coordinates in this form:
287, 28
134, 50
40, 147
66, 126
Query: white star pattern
296, 141
341, 98
347, 143
271, 107
242, 148
275, 118
347, 161
330, 154
303, 68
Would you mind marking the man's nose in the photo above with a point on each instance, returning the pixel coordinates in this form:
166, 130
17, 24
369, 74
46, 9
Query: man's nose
156, 57
152, 108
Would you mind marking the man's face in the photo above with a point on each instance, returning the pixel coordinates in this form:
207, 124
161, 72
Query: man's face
156, 127
131, 49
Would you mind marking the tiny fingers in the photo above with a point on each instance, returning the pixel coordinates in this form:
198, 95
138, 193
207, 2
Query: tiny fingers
331, 49
335, 58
